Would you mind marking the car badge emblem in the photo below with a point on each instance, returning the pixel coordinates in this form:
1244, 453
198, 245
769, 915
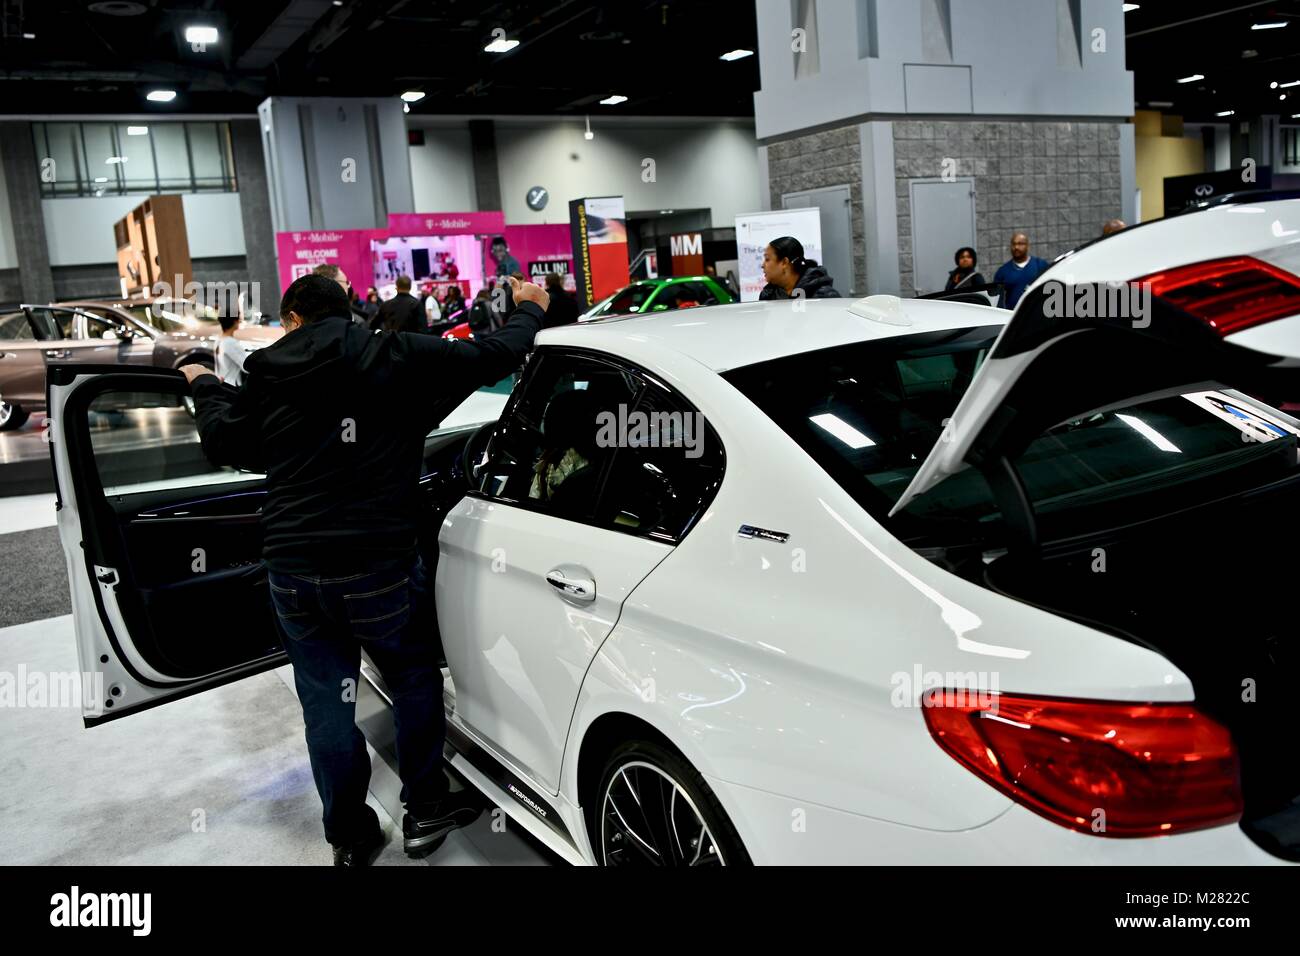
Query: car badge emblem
749, 531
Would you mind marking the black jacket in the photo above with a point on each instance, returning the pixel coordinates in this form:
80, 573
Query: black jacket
814, 282
402, 313
562, 310
969, 280
336, 417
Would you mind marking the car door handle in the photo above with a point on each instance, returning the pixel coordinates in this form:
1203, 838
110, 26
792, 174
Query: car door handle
575, 584
57, 353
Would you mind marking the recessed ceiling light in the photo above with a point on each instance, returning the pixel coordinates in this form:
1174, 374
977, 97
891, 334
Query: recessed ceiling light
101, 179
1193, 78
613, 100
501, 46
161, 96
1273, 85
412, 96
201, 35
1273, 25
137, 131
736, 55
29, 36
1130, 7
114, 160
1224, 113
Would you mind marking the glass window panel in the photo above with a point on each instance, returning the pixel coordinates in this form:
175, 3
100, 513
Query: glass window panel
138, 153
205, 152
169, 147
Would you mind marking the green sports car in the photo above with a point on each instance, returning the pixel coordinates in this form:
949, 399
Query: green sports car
661, 295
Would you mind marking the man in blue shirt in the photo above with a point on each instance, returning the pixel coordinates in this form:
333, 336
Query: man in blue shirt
1019, 272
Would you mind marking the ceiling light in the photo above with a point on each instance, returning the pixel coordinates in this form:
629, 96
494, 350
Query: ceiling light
588, 134
203, 35
101, 179
161, 96
501, 46
114, 160
1193, 78
1224, 113
613, 100
1282, 97
1130, 7
1273, 85
1288, 85
1160, 103
406, 107
412, 96
137, 131
736, 55
1274, 25
29, 36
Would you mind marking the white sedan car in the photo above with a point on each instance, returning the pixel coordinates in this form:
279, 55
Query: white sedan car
820, 582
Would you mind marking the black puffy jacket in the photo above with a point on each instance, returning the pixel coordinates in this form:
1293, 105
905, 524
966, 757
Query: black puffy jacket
814, 282
336, 417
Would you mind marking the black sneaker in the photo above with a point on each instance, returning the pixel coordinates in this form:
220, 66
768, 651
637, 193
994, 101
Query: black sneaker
363, 852
424, 830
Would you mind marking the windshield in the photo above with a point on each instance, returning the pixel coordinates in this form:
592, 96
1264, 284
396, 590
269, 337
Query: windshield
870, 413
630, 299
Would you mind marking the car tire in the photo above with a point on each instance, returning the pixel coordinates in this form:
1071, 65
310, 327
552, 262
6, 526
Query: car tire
675, 818
12, 417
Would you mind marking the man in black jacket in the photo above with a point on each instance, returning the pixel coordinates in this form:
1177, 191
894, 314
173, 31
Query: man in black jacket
401, 313
336, 417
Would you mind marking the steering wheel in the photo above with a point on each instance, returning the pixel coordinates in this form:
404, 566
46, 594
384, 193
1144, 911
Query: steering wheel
473, 450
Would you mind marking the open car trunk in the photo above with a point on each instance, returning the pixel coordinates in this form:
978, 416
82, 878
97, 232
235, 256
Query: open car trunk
1138, 481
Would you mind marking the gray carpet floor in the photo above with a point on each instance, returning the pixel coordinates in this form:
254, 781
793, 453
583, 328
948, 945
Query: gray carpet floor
35, 579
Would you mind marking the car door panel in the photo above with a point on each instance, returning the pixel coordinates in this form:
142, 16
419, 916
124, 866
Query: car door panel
163, 549
519, 647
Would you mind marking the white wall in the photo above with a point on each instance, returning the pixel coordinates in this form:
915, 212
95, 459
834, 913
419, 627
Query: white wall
8, 251
442, 171
708, 166
79, 231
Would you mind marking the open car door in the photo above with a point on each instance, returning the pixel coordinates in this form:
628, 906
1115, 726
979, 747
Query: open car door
1168, 305
163, 548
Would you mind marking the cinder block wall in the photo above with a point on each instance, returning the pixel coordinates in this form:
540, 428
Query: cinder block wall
1056, 181
829, 158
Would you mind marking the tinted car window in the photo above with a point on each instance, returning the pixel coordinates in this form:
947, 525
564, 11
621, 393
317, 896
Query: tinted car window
870, 413
668, 467
684, 295
15, 327
549, 456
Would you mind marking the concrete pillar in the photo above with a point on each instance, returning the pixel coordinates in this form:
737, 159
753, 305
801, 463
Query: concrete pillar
255, 211
23, 181
487, 175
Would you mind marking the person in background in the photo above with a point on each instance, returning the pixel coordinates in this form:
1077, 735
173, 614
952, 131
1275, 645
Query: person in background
339, 534
506, 263
564, 307
1018, 272
454, 305
786, 271
231, 352
1112, 226
401, 313
964, 276
355, 306
432, 308
371, 304
480, 313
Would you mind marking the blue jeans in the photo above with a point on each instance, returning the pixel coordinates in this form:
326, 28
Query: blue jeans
325, 623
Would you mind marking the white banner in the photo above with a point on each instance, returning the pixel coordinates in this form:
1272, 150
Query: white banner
754, 230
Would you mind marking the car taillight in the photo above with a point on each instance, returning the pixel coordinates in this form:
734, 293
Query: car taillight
1149, 769
1230, 294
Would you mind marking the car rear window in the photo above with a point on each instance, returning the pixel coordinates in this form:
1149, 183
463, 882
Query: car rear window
870, 413
630, 299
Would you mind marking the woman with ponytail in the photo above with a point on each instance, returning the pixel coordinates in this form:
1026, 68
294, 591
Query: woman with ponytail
786, 270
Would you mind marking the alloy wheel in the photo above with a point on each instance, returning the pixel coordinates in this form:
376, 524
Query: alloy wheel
648, 819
